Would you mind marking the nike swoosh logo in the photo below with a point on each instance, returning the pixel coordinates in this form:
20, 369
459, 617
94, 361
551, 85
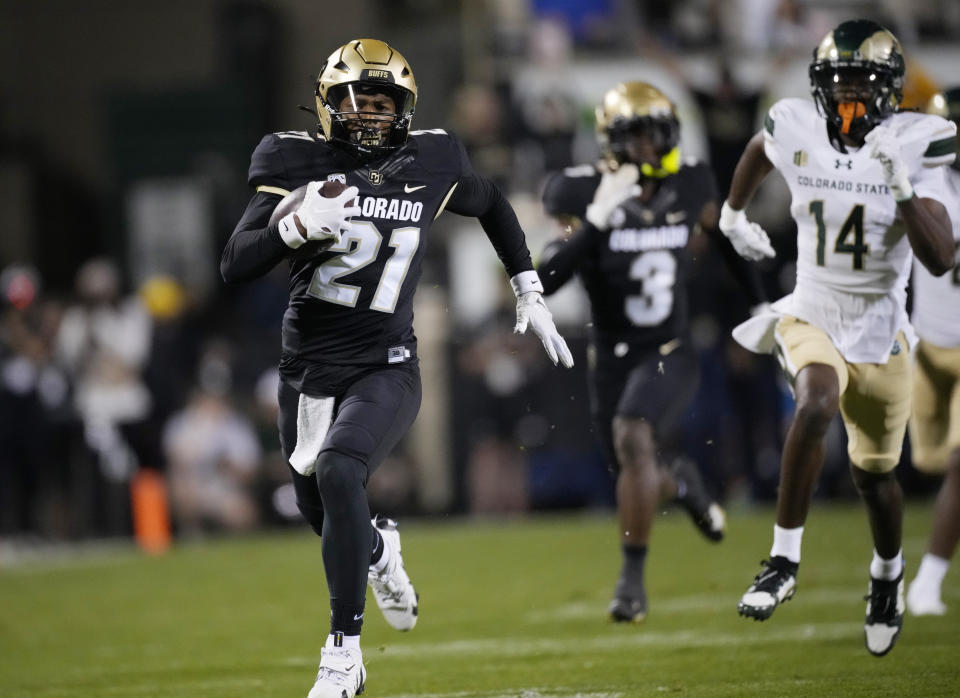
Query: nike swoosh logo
360, 617
409, 190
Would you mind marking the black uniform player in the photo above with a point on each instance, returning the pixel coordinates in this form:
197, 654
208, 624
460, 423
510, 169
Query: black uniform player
639, 214
350, 382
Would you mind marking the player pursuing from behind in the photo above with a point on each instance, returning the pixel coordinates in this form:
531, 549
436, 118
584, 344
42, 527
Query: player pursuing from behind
350, 381
935, 423
639, 209
867, 187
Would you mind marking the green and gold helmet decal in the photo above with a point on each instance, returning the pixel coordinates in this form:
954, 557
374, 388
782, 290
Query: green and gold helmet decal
631, 108
366, 66
860, 40
856, 77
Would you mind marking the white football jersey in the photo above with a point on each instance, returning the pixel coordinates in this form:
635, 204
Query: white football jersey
936, 300
853, 255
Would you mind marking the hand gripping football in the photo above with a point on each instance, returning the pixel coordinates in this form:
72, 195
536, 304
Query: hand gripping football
292, 201
323, 213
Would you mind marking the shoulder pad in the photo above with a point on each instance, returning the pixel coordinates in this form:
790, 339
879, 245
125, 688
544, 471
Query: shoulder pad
281, 159
785, 113
929, 138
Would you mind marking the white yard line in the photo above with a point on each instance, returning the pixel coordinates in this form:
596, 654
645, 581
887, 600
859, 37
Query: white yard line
610, 642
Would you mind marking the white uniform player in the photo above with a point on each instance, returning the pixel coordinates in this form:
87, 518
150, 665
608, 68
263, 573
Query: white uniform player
868, 193
935, 422
853, 255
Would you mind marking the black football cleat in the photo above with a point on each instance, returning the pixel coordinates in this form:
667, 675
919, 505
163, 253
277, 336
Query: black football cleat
885, 607
707, 515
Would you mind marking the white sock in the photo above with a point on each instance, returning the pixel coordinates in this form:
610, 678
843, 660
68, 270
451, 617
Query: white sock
786, 542
886, 569
350, 642
932, 570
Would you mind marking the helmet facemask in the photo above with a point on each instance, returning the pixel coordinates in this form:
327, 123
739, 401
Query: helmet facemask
368, 133
663, 134
855, 96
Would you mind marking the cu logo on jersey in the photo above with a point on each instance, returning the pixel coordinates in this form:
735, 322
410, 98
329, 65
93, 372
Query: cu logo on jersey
848, 163
375, 177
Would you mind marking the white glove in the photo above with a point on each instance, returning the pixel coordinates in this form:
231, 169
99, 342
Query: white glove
614, 188
319, 217
531, 310
882, 141
748, 239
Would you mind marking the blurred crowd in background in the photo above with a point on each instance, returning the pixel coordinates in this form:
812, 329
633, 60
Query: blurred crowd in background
123, 155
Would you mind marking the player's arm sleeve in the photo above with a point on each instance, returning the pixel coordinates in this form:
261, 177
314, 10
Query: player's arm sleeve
255, 248
561, 258
475, 195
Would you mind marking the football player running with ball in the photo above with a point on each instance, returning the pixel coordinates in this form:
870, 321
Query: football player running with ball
350, 381
868, 193
639, 209
935, 422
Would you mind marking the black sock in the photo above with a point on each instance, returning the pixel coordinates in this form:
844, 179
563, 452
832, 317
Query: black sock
345, 618
630, 584
377, 547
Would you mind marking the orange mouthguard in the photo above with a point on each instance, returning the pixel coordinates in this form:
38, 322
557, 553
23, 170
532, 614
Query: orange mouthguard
849, 111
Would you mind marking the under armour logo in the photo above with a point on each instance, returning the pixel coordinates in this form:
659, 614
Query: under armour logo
839, 162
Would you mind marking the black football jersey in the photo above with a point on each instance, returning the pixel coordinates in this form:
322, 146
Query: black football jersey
351, 304
634, 273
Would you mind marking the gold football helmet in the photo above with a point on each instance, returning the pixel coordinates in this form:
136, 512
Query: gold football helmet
370, 67
635, 108
857, 77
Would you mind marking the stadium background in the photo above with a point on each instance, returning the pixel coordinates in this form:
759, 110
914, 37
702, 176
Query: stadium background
125, 133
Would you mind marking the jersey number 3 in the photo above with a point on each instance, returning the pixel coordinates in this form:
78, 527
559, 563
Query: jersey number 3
658, 272
360, 247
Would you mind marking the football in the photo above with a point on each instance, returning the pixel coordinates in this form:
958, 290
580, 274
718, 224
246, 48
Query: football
292, 201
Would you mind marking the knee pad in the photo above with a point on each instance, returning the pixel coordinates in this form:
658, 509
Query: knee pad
339, 476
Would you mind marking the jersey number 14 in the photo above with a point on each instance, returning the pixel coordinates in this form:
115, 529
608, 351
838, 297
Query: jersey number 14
853, 225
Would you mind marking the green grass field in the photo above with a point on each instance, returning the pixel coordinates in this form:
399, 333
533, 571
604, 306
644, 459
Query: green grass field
508, 608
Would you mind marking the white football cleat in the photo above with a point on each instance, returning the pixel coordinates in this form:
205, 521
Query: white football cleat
924, 600
341, 674
392, 589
